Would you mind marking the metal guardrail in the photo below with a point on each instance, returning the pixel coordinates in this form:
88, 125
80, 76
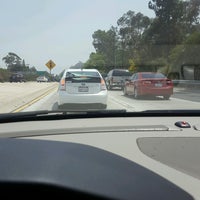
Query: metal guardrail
187, 83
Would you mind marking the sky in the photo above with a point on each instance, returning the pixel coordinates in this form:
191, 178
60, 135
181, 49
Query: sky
58, 30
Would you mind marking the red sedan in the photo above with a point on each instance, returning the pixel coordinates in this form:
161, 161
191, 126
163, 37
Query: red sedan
148, 83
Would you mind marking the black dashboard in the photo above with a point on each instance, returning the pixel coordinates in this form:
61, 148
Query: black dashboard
53, 168
102, 158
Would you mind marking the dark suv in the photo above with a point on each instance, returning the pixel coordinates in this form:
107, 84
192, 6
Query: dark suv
116, 77
17, 77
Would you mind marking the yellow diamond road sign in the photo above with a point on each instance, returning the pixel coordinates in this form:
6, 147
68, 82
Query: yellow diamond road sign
50, 64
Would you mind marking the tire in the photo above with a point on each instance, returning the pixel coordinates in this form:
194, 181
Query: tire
104, 106
166, 97
55, 106
124, 91
109, 87
135, 94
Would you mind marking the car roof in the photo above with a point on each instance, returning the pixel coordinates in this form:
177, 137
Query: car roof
150, 73
92, 70
119, 70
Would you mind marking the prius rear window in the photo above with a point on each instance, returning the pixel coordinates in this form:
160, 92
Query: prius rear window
82, 76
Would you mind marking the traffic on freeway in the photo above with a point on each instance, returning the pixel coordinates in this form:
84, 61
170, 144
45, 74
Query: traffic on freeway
46, 97
116, 100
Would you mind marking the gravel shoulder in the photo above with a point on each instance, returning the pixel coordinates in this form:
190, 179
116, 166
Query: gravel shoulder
15, 95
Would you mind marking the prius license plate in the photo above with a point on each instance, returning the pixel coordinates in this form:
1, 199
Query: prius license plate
83, 89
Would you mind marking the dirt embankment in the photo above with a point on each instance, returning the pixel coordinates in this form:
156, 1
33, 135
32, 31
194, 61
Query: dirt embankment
14, 95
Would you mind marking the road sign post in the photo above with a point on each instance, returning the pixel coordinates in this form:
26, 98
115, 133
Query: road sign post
50, 64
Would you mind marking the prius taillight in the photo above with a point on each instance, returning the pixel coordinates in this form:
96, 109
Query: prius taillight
103, 84
62, 84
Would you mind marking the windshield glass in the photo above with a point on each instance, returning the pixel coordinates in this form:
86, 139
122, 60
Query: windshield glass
117, 42
121, 73
81, 73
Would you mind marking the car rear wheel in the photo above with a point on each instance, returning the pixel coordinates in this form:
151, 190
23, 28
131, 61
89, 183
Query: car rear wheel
109, 87
136, 96
124, 90
104, 106
166, 97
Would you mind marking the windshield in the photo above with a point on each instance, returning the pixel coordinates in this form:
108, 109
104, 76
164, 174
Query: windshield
110, 48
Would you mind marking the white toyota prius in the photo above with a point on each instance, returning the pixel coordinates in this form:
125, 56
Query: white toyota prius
81, 88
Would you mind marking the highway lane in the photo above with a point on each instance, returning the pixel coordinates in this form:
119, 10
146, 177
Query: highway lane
16, 97
191, 94
116, 100
153, 103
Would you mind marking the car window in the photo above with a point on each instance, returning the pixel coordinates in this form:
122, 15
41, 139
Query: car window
136, 76
121, 73
151, 75
85, 77
82, 73
132, 77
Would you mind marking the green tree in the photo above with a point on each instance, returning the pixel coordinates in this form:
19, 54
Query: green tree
13, 62
78, 65
166, 28
105, 44
96, 61
131, 28
33, 70
187, 53
174, 20
132, 68
4, 75
191, 15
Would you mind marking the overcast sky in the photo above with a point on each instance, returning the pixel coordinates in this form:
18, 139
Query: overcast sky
60, 30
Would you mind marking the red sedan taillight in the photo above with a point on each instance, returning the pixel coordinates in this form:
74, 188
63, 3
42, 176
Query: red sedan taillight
169, 82
146, 82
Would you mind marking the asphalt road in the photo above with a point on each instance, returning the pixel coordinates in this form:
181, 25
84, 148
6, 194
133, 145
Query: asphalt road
191, 94
116, 100
16, 97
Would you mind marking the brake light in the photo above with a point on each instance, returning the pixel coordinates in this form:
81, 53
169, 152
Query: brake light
103, 85
169, 82
62, 84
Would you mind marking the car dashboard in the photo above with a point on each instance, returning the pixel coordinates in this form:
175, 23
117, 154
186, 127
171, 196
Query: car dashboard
103, 158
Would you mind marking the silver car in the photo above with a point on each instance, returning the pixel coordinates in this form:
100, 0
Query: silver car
42, 79
116, 78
